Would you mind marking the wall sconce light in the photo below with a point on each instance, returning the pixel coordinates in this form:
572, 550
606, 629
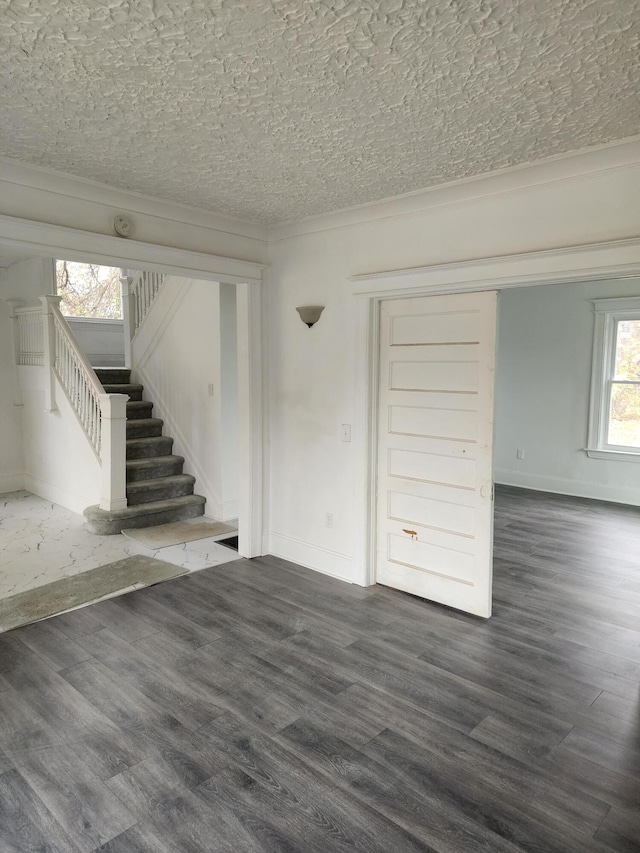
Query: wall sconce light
310, 314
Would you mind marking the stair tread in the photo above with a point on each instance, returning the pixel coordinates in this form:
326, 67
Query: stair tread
147, 438
142, 422
121, 387
160, 481
151, 461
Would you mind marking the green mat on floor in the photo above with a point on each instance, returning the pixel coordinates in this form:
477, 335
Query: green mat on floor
83, 588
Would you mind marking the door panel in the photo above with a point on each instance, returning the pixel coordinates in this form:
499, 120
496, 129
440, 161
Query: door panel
435, 467
435, 327
435, 506
441, 513
432, 422
434, 376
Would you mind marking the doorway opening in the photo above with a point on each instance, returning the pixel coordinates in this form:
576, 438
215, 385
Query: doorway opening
574, 265
244, 276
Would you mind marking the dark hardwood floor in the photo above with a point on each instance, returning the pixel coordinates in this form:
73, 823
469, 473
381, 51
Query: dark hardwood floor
258, 706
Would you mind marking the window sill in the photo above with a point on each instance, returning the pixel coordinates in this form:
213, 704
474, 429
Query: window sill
613, 455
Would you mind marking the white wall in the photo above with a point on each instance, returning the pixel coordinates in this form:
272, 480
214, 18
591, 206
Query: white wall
227, 401
311, 371
11, 452
545, 342
30, 279
581, 199
44, 452
59, 464
102, 341
25, 280
177, 354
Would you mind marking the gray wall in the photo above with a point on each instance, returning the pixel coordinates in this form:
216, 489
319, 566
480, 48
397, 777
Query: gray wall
545, 342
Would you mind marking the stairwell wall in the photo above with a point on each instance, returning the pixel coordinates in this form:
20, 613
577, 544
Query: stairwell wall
184, 355
59, 463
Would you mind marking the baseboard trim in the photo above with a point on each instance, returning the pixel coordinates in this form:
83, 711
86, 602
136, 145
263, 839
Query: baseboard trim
313, 557
11, 483
69, 500
564, 486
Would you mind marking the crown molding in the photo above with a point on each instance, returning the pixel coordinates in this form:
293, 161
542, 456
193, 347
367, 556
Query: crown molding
614, 156
41, 239
64, 184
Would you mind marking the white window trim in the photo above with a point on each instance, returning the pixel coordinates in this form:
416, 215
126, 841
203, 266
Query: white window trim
607, 313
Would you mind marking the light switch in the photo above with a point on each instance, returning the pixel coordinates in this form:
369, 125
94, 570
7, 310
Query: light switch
346, 432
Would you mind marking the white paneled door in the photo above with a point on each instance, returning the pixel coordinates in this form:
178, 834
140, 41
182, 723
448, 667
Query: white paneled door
435, 479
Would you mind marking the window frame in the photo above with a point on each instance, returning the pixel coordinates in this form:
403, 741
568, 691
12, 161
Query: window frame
608, 312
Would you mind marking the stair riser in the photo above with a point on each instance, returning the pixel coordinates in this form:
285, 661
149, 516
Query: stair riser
162, 469
148, 450
113, 376
136, 430
134, 393
142, 496
135, 413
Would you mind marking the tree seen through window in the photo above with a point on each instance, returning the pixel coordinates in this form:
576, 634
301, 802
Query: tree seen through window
88, 290
624, 415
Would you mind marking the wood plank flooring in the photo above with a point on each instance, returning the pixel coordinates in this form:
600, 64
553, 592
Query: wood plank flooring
258, 706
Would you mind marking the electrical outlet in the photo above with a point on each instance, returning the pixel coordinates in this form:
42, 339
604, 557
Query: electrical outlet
519, 453
328, 519
210, 389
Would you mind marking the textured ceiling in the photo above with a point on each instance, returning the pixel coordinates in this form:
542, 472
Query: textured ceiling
270, 110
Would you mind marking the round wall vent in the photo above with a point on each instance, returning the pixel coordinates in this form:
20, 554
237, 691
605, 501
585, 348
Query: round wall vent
123, 225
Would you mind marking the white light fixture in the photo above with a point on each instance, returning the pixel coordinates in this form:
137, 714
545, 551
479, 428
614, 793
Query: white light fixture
310, 314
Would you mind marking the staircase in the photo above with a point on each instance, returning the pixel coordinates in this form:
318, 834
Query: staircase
157, 490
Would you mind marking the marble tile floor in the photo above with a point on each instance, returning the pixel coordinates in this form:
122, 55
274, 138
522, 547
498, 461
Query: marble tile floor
41, 542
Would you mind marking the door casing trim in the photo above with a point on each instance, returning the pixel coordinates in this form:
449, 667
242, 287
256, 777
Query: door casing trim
41, 239
574, 264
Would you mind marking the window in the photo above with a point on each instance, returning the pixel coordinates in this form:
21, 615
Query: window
88, 290
614, 420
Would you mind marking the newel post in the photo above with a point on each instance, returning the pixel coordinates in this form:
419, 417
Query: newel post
128, 314
113, 450
49, 349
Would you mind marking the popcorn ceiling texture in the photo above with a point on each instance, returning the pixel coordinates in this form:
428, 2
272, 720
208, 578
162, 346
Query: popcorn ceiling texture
270, 110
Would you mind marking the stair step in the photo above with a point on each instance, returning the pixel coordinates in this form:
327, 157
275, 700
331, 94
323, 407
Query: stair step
105, 522
147, 491
144, 427
144, 448
113, 375
134, 391
153, 468
137, 409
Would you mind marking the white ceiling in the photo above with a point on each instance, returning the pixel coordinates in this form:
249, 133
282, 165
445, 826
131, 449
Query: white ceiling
270, 110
